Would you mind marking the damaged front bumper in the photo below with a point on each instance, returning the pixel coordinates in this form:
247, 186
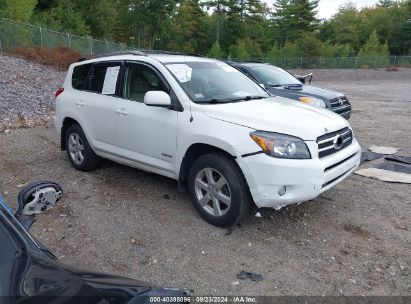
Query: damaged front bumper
275, 183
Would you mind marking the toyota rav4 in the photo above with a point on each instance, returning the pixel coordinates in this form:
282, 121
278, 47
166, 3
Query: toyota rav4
206, 125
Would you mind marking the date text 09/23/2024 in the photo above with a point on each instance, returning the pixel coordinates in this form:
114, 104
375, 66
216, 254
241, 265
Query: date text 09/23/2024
204, 299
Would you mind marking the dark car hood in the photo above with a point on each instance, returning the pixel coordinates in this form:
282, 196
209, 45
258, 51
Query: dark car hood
306, 90
34, 275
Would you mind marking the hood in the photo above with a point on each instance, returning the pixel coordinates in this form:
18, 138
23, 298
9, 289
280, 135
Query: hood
281, 115
306, 90
33, 275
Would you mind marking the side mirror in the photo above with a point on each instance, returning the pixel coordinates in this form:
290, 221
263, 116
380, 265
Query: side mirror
35, 199
305, 79
157, 99
300, 78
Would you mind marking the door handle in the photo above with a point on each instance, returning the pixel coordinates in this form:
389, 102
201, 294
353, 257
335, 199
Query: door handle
80, 103
122, 112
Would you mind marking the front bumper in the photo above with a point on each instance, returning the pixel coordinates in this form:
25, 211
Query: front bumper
304, 179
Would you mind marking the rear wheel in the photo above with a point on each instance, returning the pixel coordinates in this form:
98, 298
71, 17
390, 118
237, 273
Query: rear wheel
79, 152
218, 190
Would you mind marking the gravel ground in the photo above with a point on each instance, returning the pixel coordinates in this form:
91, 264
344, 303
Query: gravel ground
353, 240
26, 92
359, 75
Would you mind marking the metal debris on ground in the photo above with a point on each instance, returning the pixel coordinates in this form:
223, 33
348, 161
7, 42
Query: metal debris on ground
384, 150
385, 176
370, 156
255, 277
400, 159
395, 168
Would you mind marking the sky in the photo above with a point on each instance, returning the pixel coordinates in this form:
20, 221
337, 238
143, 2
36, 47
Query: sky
328, 8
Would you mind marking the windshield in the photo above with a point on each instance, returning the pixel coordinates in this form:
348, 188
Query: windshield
215, 82
273, 77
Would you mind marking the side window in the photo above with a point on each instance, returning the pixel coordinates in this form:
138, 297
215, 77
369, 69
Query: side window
139, 79
79, 79
104, 78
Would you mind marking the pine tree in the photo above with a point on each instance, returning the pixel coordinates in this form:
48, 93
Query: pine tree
373, 47
293, 18
216, 51
188, 29
240, 51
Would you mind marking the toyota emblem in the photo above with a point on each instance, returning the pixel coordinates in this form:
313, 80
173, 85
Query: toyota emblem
338, 142
341, 102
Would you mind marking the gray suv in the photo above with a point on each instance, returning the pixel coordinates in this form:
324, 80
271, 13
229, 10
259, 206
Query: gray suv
281, 83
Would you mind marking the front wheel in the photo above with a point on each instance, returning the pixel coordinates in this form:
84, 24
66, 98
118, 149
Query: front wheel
218, 190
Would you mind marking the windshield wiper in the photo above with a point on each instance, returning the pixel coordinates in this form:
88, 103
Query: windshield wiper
230, 100
276, 85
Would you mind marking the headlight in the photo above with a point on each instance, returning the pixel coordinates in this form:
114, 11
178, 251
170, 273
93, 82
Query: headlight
316, 102
281, 145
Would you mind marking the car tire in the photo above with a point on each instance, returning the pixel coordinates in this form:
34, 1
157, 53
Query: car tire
79, 152
218, 190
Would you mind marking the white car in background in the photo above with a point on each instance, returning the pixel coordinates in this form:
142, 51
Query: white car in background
206, 125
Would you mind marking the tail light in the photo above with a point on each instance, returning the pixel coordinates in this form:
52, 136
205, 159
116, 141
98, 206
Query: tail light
58, 92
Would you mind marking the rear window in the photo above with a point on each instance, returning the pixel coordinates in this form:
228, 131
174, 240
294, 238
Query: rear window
79, 80
104, 78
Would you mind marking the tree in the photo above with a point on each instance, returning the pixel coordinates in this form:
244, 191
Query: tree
246, 49
240, 51
373, 47
188, 32
63, 17
219, 9
19, 10
293, 18
347, 24
143, 22
406, 28
101, 16
216, 51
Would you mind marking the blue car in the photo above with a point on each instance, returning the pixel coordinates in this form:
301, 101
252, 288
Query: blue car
281, 83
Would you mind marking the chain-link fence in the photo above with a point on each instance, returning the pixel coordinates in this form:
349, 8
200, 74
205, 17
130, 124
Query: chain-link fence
369, 62
15, 35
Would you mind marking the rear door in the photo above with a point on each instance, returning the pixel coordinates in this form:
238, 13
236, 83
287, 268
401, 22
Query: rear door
146, 135
96, 106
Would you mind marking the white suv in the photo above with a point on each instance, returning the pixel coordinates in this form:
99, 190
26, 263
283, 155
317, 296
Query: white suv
206, 125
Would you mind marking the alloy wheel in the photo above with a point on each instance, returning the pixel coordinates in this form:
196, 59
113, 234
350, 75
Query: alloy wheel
76, 148
213, 192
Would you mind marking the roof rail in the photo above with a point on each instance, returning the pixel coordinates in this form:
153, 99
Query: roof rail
136, 53
245, 61
160, 52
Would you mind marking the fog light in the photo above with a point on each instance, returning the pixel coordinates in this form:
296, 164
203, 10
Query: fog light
282, 191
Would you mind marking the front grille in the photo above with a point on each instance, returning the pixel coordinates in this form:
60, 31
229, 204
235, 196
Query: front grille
340, 106
331, 143
335, 179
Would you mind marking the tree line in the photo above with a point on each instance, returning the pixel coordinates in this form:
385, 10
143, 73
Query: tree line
228, 28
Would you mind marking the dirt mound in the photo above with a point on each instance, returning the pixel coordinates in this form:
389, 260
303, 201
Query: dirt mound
59, 58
